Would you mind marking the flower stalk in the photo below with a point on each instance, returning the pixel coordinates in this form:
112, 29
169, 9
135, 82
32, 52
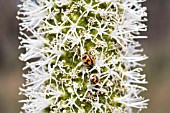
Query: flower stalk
83, 56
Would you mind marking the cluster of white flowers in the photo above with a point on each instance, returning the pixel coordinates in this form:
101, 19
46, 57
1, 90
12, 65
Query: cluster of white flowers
56, 34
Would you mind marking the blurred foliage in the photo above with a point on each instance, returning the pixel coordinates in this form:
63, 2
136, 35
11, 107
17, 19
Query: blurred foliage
156, 47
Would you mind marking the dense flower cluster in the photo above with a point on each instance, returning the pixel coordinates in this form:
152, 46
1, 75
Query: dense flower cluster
82, 56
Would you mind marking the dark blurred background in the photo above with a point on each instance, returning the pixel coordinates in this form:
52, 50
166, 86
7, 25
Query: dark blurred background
156, 47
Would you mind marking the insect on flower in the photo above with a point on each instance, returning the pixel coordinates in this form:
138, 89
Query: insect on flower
88, 60
87, 56
95, 80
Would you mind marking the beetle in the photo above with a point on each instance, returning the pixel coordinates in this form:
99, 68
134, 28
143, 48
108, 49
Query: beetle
88, 60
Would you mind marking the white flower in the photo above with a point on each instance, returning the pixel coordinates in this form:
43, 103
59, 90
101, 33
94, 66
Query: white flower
57, 34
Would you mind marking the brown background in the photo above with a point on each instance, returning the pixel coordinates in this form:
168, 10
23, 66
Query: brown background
157, 47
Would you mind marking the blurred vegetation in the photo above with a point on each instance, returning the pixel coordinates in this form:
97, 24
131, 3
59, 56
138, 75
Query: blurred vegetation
156, 47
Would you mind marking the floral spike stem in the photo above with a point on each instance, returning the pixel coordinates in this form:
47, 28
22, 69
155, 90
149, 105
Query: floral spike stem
82, 55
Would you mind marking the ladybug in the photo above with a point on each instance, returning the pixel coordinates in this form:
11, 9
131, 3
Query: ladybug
95, 79
88, 60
